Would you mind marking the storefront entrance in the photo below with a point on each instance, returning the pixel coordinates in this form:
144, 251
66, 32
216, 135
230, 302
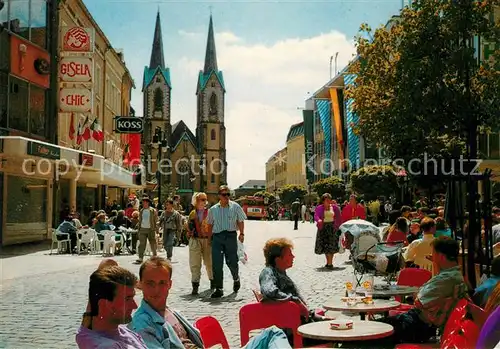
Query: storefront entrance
87, 201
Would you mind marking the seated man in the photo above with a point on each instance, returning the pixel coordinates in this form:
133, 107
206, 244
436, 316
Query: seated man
483, 291
435, 299
275, 284
162, 327
111, 298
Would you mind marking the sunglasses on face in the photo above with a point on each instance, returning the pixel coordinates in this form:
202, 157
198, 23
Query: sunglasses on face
225, 194
203, 199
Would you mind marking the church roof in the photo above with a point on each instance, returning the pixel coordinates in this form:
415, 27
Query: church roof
149, 74
180, 131
210, 61
157, 57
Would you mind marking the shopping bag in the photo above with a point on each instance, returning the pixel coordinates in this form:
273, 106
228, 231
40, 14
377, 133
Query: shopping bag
242, 255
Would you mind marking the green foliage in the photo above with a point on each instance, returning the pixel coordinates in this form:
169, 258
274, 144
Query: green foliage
373, 181
167, 191
288, 193
412, 75
265, 194
332, 185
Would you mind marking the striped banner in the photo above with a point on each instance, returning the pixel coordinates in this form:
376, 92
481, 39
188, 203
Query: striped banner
352, 120
325, 116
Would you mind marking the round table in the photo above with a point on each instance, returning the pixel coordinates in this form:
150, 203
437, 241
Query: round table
378, 306
361, 331
393, 291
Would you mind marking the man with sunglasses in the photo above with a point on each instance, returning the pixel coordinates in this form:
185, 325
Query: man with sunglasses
224, 219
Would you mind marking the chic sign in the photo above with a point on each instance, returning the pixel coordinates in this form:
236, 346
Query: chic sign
75, 100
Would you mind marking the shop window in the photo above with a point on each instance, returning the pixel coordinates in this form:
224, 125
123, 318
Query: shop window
3, 99
38, 23
20, 18
18, 104
37, 110
26, 195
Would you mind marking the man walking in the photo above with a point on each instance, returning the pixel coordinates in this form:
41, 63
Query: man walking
224, 219
295, 213
171, 220
147, 228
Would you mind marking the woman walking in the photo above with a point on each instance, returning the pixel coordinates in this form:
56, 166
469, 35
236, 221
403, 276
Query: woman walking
200, 246
328, 219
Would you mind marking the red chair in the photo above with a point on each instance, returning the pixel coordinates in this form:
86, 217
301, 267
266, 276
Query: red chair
211, 332
413, 277
256, 316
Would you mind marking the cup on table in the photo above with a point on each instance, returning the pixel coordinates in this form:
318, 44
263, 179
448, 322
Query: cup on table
351, 300
368, 297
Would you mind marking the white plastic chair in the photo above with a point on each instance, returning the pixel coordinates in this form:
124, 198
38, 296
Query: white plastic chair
60, 243
85, 237
109, 242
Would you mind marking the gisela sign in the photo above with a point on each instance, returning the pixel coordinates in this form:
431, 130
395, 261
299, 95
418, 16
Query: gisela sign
126, 124
75, 100
76, 69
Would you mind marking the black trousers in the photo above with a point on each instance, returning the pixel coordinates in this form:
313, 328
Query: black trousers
295, 221
224, 246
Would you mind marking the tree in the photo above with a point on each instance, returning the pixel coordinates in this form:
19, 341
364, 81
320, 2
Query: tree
265, 194
332, 185
288, 193
167, 191
419, 87
373, 181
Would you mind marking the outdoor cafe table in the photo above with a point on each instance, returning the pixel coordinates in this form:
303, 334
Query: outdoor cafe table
388, 291
378, 306
361, 331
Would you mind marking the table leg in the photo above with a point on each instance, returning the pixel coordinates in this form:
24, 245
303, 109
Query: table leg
363, 316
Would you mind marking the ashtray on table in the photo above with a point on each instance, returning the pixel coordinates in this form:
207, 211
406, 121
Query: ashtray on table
341, 324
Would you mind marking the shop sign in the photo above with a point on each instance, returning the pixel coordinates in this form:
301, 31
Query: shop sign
75, 100
86, 160
77, 39
44, 150
76, 69
126, 124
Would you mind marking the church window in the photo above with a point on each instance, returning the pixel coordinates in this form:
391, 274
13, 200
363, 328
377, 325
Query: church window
158, 100
212, 135
184, 174
212, 178
213, 104
158, 79
213, 83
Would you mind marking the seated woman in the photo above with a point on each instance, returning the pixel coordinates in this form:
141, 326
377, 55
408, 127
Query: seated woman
275, 284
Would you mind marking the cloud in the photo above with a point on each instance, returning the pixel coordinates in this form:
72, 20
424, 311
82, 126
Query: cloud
265, 86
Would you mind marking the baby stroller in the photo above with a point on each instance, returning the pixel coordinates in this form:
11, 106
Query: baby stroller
369, 255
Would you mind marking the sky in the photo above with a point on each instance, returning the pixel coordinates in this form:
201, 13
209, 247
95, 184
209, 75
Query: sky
273, 55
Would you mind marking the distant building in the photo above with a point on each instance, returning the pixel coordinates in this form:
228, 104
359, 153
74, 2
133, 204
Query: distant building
250, 187
276, 168
295, 170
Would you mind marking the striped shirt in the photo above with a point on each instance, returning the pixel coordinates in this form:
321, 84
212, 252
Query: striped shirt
225, 218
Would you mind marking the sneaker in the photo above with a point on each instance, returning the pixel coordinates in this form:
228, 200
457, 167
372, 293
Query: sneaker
196, 286
218, 293
236, 286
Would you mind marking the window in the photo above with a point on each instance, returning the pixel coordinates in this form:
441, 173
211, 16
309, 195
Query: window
97, 79
213, 104
213, 84
212, 135
212, 178
184, 182
4, 84
158, 79
18, 104
3, 12
26, 195
37, 110
158, 100
28, 18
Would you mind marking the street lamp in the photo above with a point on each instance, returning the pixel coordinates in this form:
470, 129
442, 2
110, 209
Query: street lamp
160, 142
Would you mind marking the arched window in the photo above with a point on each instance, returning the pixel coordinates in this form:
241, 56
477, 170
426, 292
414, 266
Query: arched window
158, 100
213, 104
212, 135
184, 174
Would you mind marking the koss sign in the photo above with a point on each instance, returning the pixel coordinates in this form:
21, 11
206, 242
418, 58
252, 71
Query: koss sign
77, 39
126, 124
75, 100
76, 69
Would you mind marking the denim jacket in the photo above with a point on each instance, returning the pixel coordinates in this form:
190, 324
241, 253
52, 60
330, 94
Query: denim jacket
159, 334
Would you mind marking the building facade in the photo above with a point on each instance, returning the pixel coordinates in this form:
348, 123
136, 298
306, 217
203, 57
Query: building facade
191, 161
295, 155
276, 171
250, 187
91, 131
43, 175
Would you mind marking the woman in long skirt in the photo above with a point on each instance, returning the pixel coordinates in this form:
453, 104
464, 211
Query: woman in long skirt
328, 219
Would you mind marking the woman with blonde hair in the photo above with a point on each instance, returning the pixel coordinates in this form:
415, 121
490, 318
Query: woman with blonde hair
200, 245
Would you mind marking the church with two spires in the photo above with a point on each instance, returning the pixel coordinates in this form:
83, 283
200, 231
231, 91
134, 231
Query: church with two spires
198, 158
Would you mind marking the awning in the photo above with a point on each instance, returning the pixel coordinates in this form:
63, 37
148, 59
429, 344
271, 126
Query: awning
85, 167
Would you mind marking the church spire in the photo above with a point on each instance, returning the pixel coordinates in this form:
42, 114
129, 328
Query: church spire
157, 58
210, 54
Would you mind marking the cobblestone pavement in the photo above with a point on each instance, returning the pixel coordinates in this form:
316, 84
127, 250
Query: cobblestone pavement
42, 296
